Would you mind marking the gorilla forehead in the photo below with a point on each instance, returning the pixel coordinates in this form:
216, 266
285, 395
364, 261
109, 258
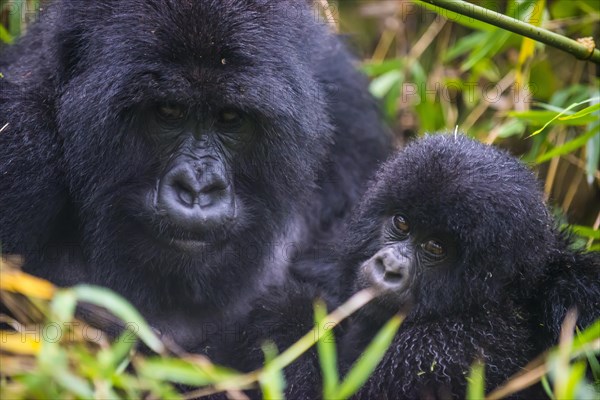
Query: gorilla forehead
198, 52
235, 33
464, 187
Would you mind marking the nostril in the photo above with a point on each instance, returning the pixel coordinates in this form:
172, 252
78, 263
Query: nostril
393, 276
379, 266
184, 193
217, 186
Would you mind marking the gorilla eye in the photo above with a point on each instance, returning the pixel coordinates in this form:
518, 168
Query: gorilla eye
231, 117
401, 224
434, 248
171, 112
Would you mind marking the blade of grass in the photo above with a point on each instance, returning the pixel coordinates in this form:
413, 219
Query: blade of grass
569, 146
30, 286
327, 351
272, 380
63, 305
585, 231
173, 370
595, 99
307, 341
582, 113
294, 351
476, 381
17, 343
121, 308
368, 361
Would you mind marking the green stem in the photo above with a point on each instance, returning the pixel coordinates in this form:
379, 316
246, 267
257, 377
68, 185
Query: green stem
522, 28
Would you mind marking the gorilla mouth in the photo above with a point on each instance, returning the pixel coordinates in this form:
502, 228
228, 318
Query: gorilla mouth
190, 241
189, 245
158, 229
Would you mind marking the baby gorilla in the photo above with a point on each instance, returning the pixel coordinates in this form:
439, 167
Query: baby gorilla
456, 235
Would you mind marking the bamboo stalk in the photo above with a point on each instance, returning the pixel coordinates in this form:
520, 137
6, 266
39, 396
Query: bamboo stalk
542, 35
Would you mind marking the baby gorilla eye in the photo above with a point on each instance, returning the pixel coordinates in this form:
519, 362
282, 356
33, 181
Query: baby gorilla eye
434, 248
401, 224
170, 111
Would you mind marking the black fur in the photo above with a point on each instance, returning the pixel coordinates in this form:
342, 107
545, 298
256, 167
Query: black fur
510, 270
281, 318
78, 169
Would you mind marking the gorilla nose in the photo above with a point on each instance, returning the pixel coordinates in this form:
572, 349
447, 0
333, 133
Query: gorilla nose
196, 199
389, 269
191, 192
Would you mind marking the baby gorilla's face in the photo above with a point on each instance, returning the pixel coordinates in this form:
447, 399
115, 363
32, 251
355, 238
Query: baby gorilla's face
410, 256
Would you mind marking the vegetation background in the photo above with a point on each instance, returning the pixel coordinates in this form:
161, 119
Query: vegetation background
433, 71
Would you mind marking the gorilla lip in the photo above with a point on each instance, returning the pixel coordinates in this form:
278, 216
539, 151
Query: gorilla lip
188, 242
188, 245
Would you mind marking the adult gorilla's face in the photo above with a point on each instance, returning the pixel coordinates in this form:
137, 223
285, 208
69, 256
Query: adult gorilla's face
194, 202
188, 129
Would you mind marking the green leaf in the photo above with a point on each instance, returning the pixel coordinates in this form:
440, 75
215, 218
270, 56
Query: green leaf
569, 146
175, 370
419, 75
541, 117
563, 112
272, 380
582, 113
575, 376
381, 85
476, 381
368, 361
490, 45
15, 17
592, 154
570, 94
74, 384
63, 305
589, 354
327, 352
378, 68
511, 128
587, 336
547, 388
585, 231
5, 36
308, 340
121, 308
464, 45
53, 361
111, 358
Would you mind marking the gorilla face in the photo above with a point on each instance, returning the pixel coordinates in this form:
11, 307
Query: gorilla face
449, 222
193, 202
191, 141
410, 254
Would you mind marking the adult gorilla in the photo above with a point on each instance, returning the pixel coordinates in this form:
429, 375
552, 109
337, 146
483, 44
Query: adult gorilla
179, 152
